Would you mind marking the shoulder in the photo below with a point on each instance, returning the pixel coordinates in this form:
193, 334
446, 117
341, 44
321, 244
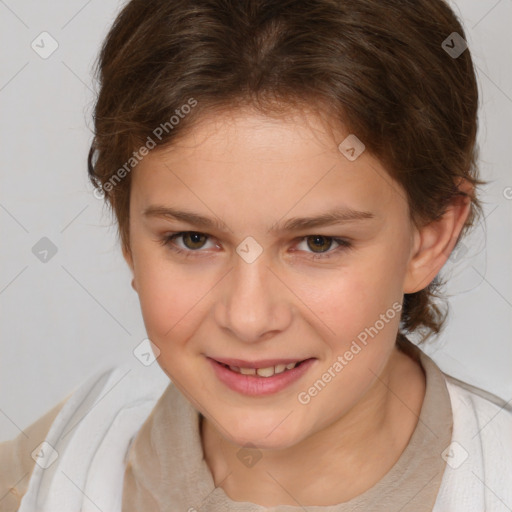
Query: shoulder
16, 461
484, 418
481, 402
478, 473
111, 386
91, 434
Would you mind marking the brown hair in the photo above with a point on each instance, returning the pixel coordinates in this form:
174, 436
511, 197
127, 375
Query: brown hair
376, 66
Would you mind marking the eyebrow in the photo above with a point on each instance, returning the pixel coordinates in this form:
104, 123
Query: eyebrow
337, 216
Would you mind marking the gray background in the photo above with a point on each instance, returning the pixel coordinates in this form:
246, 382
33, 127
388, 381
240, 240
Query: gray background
63, 318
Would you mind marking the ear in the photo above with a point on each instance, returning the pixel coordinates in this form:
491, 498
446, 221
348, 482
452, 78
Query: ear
434, 242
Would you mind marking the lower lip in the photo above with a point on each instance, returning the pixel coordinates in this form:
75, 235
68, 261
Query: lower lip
253, 385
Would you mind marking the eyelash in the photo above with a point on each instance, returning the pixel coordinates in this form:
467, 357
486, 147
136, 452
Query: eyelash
167, 241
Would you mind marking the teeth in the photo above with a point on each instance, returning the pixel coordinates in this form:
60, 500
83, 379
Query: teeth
248, 371
280, 368
264, 372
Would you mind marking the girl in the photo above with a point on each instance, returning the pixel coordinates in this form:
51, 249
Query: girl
288, 179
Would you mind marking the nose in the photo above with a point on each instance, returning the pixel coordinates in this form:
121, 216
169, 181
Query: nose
253, 305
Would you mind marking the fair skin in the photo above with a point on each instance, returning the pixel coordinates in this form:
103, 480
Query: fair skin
252, 173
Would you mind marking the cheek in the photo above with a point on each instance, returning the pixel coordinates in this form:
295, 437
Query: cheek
345, 301
363, 318
169, 297
172, 309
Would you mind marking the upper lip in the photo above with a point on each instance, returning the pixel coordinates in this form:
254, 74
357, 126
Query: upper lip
262, 363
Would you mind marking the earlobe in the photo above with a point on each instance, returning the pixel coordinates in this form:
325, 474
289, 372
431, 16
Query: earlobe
434, 243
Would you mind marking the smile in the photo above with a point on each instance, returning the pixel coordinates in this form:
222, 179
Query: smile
259, 381
269, 371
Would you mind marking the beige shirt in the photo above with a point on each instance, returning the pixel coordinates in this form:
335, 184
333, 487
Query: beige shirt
166, 470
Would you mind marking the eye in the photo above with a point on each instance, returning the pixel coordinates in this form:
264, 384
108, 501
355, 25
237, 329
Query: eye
320, 245
192, 241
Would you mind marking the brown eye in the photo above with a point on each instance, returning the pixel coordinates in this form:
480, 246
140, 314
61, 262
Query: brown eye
319, 243
193, 240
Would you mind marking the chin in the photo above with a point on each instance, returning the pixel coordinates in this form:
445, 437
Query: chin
267, 435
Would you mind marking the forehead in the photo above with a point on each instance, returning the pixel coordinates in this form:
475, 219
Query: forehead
261, 165
230, 134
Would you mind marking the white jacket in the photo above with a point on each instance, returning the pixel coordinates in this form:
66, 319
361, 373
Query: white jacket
99, 420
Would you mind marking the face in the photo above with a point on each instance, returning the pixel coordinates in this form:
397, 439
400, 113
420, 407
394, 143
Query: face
246, 279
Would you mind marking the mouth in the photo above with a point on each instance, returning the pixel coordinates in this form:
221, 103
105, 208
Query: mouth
262, 369
260, 378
